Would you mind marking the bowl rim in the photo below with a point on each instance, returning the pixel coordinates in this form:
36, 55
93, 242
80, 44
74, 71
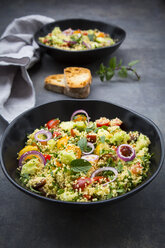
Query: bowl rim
114, 199
80, 51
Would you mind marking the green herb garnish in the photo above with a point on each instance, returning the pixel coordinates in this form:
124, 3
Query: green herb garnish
33, 190
90, 129
80, 165
102, 139
107, 72
83, 144
91, 37
60, 191
119, 167
129, 173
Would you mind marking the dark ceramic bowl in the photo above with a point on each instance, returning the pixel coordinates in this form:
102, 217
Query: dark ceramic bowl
15, 136
81, 56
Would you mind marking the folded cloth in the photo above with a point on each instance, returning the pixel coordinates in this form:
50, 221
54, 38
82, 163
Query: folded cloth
18, 52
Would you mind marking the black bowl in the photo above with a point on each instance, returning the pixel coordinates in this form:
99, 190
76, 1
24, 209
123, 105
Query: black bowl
81, 56
15, 136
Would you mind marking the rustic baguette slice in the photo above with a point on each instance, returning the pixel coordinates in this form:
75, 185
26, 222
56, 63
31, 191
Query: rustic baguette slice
55, 83
82, 92
77, 77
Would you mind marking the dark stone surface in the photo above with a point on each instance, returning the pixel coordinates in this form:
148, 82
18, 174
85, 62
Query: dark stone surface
136, 222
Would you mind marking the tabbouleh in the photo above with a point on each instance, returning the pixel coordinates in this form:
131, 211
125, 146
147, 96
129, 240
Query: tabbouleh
53, 162
77, 40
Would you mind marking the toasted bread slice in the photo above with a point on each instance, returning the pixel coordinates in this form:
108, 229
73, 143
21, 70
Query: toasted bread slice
77, 77
55, 83
77, 92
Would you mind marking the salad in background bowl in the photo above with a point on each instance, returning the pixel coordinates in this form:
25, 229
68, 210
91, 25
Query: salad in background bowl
67, 46
77, 40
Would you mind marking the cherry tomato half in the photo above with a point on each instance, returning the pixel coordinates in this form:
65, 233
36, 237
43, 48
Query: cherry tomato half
47, 156
82, 182
136, 168
100, 179
56, 134
52, 123
91, 138
116, 122
103, 122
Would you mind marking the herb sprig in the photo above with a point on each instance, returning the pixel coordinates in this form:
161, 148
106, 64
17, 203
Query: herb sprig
107, 72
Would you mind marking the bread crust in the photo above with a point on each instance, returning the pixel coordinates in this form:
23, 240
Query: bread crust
77, 77
77, 92
55, 83
75, 82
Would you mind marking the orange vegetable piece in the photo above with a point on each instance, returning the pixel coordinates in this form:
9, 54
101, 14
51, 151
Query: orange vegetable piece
77, 31
75, 149
58, 164
61, 143
136, 168
80, 118
101, 34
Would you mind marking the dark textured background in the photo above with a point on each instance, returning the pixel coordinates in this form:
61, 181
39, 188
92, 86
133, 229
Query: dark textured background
133, 223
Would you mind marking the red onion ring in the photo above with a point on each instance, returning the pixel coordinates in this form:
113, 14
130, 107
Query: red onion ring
126, 158
86, 45
70, 42
35, 153
91, 157
106, 169
80, 111
46, 133
68, 31
90, 145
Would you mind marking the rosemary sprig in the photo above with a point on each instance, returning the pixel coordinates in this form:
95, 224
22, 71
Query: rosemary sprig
107, 72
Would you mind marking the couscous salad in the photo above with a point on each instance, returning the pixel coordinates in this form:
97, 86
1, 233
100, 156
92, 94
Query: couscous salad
77, 40
82, 161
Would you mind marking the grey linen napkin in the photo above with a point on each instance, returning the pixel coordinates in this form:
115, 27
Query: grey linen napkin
18, 52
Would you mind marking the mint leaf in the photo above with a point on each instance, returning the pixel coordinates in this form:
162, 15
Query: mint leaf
102, 139
80, 165
112, 63
132, 63
123, 72
102, 67
120, 63
91, 37
102, 78
109, 74
82, 143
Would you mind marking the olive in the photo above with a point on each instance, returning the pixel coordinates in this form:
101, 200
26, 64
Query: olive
40, 184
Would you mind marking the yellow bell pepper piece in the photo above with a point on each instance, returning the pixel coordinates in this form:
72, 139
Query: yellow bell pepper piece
100, 147
27, 149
